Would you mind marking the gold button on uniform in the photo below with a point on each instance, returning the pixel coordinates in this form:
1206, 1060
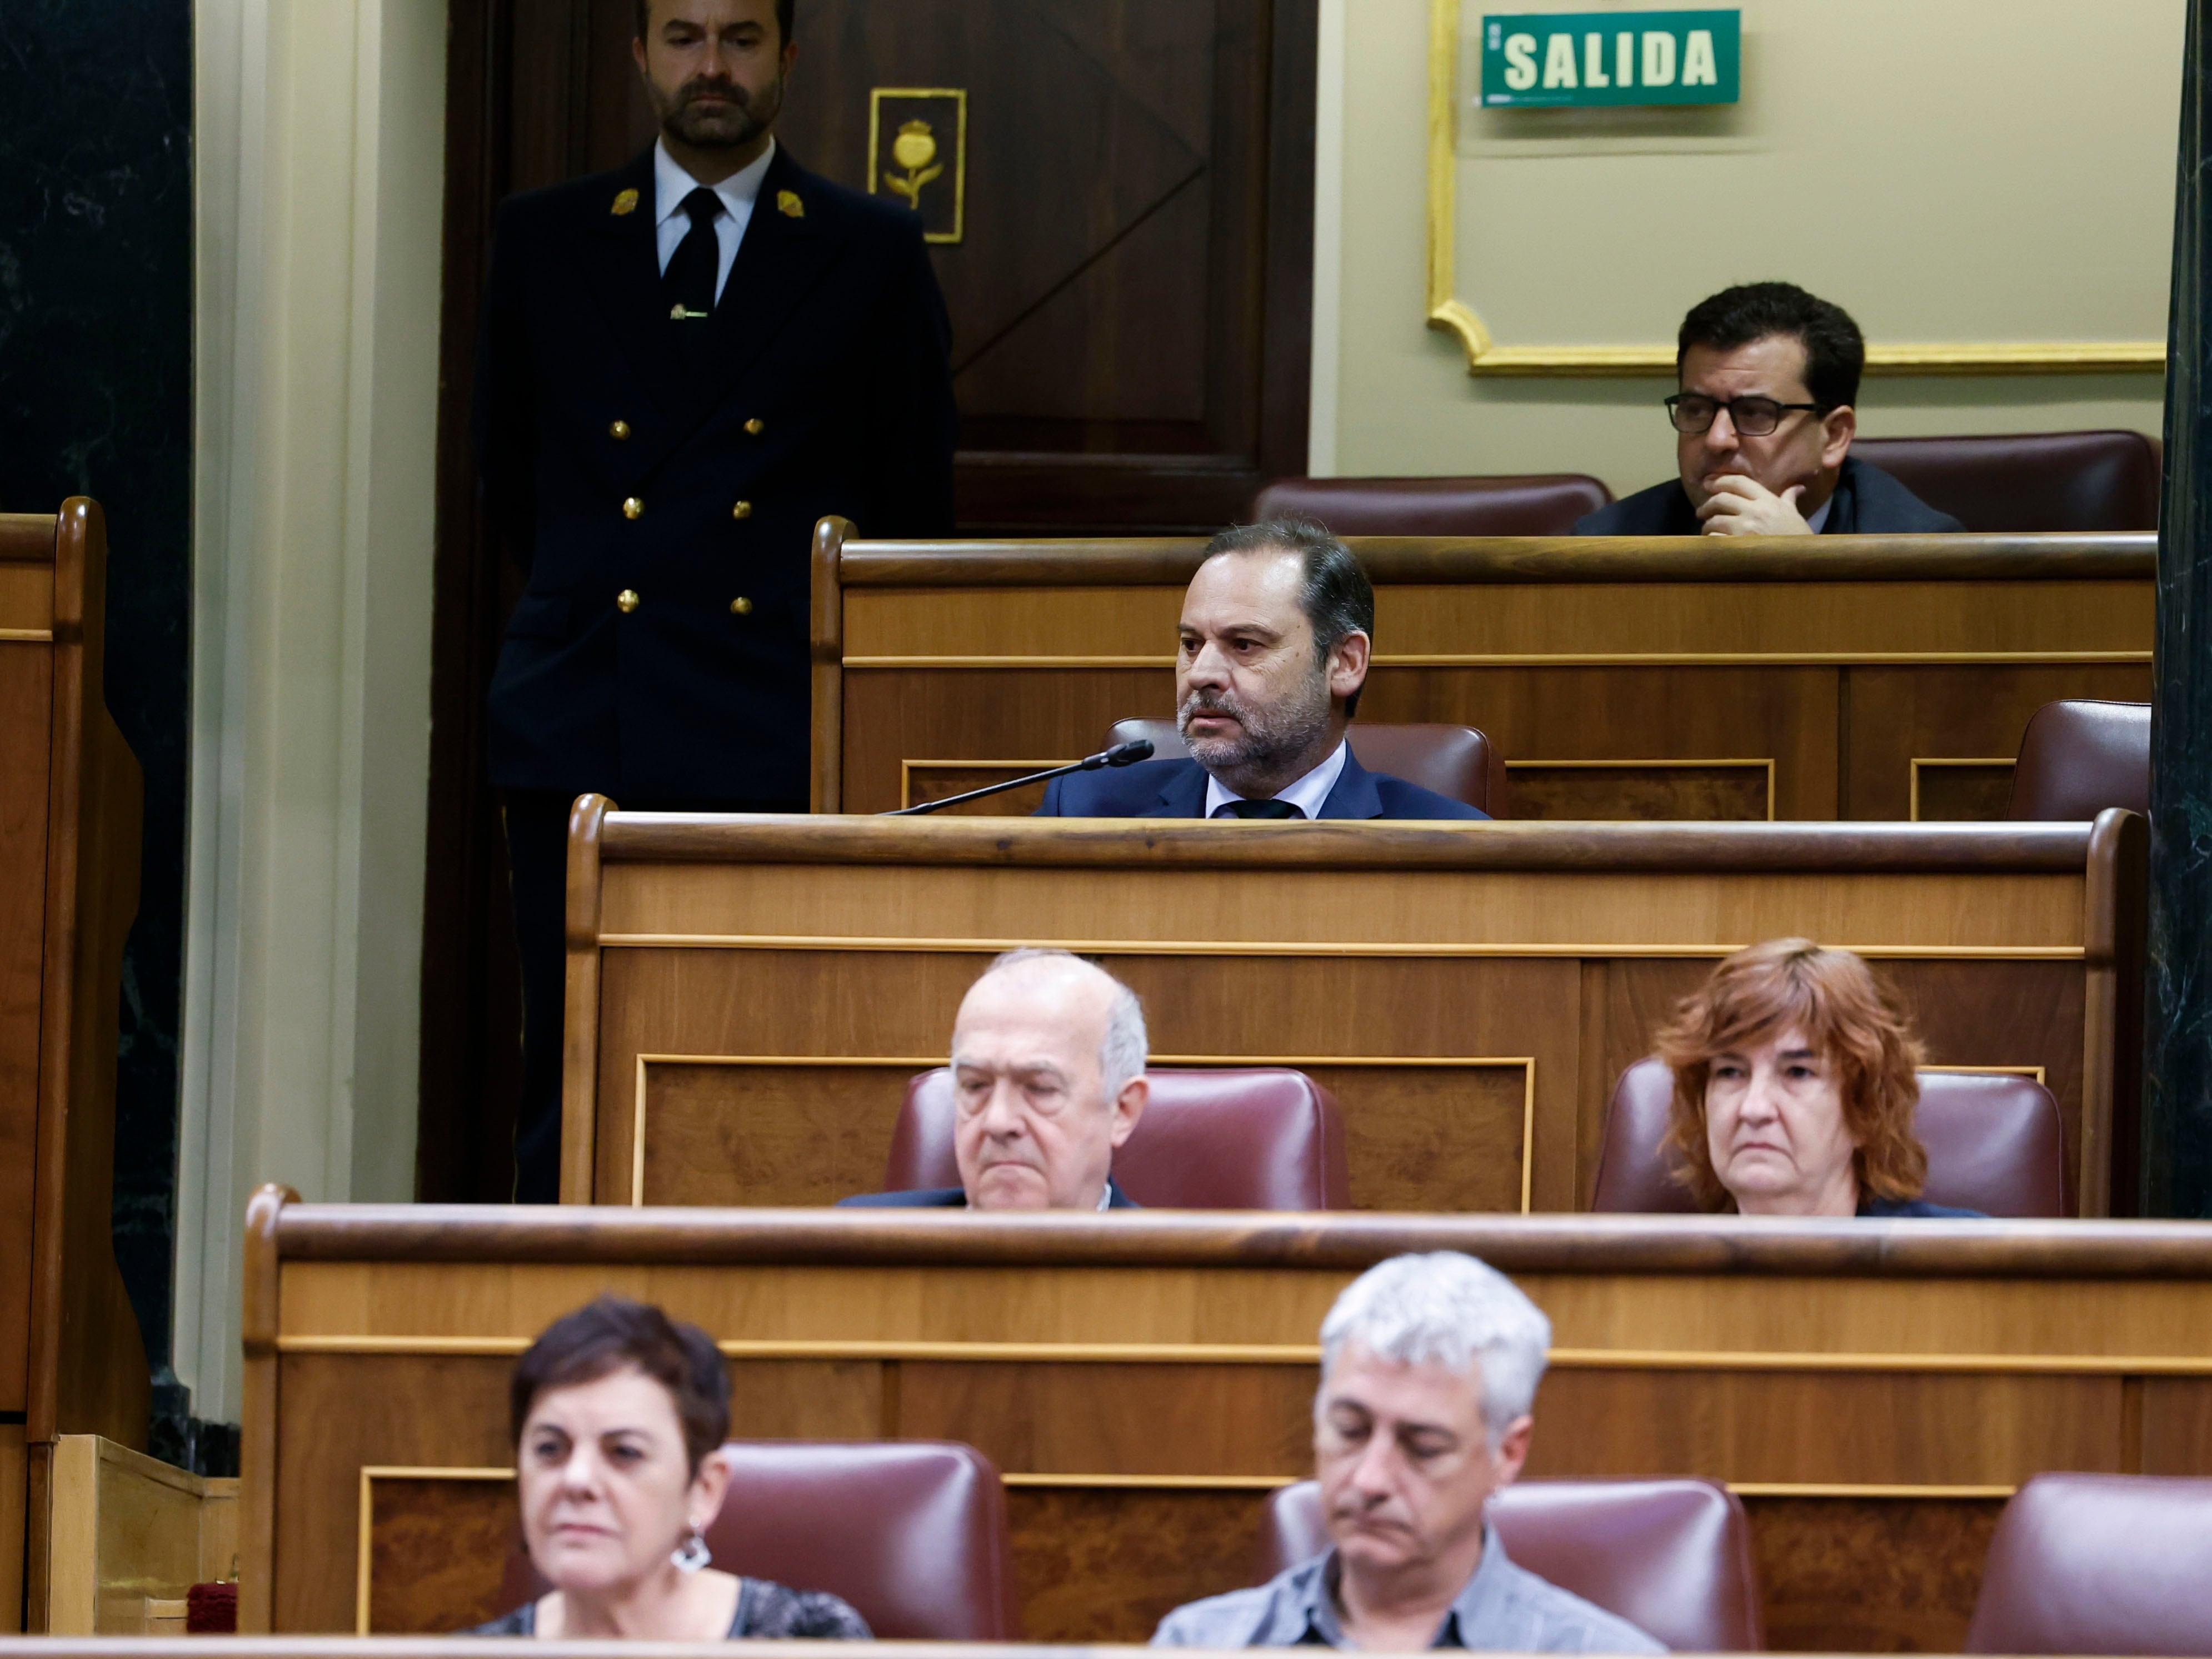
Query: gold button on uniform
741, 607
742, 510
619, 430
632, 507
756, 426
627, 600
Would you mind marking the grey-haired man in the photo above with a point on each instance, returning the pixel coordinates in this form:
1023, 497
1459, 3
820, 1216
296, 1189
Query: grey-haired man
1048, 1080
1429, 1371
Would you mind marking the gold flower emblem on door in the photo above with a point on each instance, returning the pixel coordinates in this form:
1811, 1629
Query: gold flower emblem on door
918, 139
914, 149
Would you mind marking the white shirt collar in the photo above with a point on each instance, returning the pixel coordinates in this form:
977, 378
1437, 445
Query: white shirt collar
1105, 1197
1307, 794
1819, 515
672, 183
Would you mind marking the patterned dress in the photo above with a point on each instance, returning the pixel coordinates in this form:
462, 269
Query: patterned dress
765, 1610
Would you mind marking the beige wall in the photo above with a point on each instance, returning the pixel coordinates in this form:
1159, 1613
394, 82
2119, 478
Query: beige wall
2054, 150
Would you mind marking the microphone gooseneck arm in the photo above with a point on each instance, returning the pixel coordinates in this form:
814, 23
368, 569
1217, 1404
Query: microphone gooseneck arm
1121, 754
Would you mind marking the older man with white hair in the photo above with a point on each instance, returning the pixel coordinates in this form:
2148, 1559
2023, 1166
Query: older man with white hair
1429, 1371
1048, 1080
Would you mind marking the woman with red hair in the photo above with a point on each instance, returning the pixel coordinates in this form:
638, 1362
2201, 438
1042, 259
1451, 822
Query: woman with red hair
1795, 1089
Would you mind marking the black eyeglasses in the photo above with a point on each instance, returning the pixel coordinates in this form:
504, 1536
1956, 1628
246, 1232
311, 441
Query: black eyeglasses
1754, 417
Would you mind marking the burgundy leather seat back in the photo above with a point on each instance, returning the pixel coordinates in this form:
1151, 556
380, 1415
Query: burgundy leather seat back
1456, 762
2099, 1564
1994, 1140
2078, 757
1533, 504
2029, 481
1671, 1557
913, 1532
1252, 1138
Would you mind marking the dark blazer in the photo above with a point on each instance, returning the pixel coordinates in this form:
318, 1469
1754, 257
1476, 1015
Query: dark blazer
953, 1198
1176, 789
1867, 502
820, 384
1916, 1209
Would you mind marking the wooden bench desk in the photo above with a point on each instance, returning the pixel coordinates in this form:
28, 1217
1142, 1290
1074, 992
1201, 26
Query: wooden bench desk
1872, 1390
1855, 676
70, 804
747, 996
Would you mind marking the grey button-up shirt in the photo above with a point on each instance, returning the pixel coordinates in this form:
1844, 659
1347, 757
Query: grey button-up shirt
1504, 1609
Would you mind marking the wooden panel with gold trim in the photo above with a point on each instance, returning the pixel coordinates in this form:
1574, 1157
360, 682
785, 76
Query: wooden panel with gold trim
1947, 790
1643, 791
1620, 650
26, 601
1384, 958
924, 780
1438, 1133
1872, 1390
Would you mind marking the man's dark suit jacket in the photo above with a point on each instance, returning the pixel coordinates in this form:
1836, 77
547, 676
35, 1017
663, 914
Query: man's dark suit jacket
1176, 789
1867, 502
954, 1198
819, 384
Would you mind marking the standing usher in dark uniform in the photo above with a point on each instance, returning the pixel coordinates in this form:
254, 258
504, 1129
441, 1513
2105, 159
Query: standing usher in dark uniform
659, 478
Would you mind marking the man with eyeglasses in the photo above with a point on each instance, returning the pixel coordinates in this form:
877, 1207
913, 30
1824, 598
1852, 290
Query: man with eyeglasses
1766, 375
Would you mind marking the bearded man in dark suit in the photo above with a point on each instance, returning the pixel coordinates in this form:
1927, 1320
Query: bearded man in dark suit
1272, 655
684, 364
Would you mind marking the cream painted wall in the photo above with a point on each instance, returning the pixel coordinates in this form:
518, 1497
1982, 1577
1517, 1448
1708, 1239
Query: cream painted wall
320, 184
1400, 393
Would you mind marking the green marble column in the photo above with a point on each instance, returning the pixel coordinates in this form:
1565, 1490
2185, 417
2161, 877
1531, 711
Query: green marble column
96, 399
2176, 1143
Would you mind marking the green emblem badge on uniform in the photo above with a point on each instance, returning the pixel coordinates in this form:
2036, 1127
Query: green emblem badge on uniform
788, 204
625, 202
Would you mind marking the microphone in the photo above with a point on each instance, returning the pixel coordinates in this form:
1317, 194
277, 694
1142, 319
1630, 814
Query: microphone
1121, 754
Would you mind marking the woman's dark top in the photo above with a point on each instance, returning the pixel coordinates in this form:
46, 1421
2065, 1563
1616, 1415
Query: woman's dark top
765, 1610
1917, 1209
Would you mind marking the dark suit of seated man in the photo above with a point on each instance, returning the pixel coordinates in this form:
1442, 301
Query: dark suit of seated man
1276, 631
1048, 1080
1766, 375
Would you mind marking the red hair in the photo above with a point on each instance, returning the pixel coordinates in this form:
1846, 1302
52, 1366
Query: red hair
1852, 1020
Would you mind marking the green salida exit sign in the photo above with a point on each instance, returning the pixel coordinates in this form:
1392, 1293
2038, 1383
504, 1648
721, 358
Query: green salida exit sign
1552, 60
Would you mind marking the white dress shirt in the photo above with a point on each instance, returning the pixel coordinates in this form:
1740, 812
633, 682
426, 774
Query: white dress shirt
738, 193
1306, 795
1819, 515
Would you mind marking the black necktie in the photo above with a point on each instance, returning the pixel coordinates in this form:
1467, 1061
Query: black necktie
1258, 809
687, 284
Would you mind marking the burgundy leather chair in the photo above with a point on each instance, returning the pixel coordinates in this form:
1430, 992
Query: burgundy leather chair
2029, 481
2099, 1564
1993, 1145
2077, 757
913, 1532
1671, 1557
1257, 1137
1457, 762
1534, 504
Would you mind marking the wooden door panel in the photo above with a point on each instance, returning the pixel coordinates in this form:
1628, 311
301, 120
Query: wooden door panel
1127, 260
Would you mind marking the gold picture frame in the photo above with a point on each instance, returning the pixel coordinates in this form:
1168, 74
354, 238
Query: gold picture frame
926, 167
1451, 315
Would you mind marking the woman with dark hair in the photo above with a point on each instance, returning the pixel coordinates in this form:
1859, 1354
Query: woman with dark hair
1795, 1089
619, 1415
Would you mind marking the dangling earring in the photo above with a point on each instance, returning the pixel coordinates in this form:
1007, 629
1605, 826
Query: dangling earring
692, 1554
